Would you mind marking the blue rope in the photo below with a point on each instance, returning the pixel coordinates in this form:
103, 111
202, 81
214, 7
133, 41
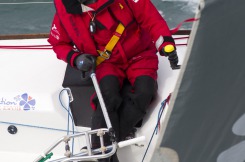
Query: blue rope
163, 104
69, 116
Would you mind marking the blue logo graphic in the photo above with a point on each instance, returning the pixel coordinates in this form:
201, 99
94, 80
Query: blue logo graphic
27, 102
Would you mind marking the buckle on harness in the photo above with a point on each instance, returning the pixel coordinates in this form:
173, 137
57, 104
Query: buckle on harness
105, 54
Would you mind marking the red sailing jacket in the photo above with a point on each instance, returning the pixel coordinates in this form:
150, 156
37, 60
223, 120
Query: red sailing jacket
145, 29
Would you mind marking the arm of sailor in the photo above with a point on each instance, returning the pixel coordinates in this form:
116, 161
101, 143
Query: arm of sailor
62, 45
148, 17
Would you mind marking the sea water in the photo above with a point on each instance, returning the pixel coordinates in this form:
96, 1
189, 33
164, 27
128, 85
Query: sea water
35, 16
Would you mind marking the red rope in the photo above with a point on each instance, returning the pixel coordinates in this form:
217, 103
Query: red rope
163, 106
173, 31
184, 44
186, 37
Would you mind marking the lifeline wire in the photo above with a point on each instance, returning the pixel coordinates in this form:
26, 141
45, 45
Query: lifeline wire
41, 47
49, 47
23, 3
35, 126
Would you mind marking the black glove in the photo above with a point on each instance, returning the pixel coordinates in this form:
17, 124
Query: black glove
173, 59
170, 52
84, 62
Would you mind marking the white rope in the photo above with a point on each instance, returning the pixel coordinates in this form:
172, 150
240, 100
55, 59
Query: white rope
24, 3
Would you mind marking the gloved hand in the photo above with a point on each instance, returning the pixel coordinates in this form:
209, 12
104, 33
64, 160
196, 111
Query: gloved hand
84, 62
170, 52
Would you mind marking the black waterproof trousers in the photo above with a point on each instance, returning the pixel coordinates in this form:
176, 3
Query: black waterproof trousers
125, 106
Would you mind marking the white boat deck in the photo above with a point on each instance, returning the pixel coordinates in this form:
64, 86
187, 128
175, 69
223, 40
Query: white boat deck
38, 75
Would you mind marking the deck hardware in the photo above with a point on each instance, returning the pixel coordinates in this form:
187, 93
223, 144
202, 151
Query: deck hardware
12, 129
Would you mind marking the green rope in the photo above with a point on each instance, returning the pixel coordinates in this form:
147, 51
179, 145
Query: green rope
48, 156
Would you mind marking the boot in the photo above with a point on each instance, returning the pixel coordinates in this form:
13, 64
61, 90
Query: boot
98, 121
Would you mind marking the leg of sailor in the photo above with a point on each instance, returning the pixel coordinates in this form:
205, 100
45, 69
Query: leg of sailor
110, 89
110, 80
142, 75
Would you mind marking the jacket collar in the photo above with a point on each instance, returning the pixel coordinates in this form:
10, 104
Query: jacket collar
75, 7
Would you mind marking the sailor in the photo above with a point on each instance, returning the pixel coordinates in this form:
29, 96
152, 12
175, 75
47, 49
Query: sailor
124, 36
